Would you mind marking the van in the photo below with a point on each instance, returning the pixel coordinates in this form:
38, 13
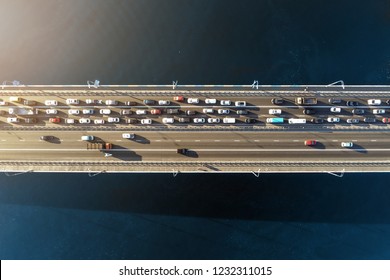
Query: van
229, 120
87, 137
14, 99
293, 121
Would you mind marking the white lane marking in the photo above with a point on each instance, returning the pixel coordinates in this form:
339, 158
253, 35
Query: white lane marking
335, 140
118, 140
3, 140
156, 140
276, 140
236, 140
217, 140
257, 140
197, 140
295, 140
22, 139
354, 140
177, 140
373, 140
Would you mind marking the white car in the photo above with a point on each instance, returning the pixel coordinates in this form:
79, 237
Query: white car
378, 111
111, 102
3, 103
223, 111
199, 120
210, 101
146, 121
93, 101
73, 112
51, 111
140, 112
164, 102
72, 101
113, 120
105, 111
98, 121
88, 111
225, 102
128, 135
335, 109
193, 100
51, 102
213, 120
333, 120
374, 102
208, 111
274, 111
240, 103
70, 121
84, 120
12, 120
346, 144
168, 120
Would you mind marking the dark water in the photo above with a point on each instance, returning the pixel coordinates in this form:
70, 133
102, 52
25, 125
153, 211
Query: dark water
204, 216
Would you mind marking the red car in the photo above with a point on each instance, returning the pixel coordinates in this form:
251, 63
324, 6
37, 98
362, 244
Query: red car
310, 142
386, 120
155, 112
55, 120
178, 98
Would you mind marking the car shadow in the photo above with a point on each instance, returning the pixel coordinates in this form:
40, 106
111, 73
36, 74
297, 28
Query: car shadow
121, 153
358, 148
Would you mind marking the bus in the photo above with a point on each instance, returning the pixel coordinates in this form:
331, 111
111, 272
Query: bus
275, 120
300, 121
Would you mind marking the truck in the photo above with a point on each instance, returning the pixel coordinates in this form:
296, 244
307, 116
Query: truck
275, 120
305, 101
22, 111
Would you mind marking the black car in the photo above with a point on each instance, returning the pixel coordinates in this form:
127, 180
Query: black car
369, 120
317, 120
334, 100
131, 103
190, 112
47, 138
149, 102
250, 120
242, 112
352, 103
184, 120
358, 111
172, 111
277, 101
388, 102
309, 111
182, 151
132, 121
352, 120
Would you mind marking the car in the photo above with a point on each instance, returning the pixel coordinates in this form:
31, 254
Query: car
98, 121
140, 112
146, 121
242, 112
30, 120
87, 138
240, 103
55, 120
164, 102
88, 111
105, 111
125, 112
317, 120
213, 120
46, 137
182, 151
3, 103
386, 120
333, 120
208, 111
93, 101
113, 120
225, 102
374, 102
335, 109
250, 120
130, 103
310, 142
172, 111
309, 111
352, 103
346, 144
184, 120
334, 100
156, 112
378, 111
111, 102
131, 121
352, 120
149, 102
277, 101
84, 120
193, 100
73, 112
72, 101
128, 135
29, 102
358, 111
199, 120
13, 120
274, 111
51, 111
51, 102
223, 111
210, 101
70, 121
388, 101
190, 112
178, 98
369, 120
168, 120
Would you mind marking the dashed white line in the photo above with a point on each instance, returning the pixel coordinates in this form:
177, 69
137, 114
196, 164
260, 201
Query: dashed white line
197, 140
276, 140
177, 140
236, 140
295, 140
217, 140
335, 140
373, 140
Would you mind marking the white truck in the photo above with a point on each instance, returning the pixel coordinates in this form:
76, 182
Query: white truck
22, 111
